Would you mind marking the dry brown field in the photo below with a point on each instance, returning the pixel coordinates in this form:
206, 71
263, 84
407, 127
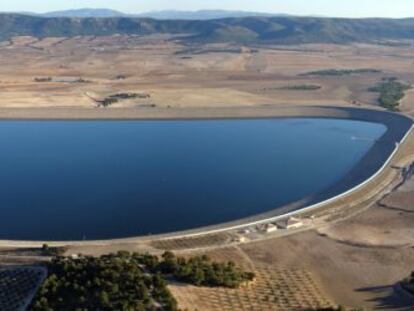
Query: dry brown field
178, 77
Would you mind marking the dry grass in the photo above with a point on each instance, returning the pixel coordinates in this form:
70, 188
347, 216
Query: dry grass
207, 79
192, 242
273, 289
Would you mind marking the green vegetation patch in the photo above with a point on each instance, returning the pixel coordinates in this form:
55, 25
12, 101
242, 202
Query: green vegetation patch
108, 101
43, 79
341, 72
301, 87
201, 271
105, 283
46, 250
125, 281
391, 93
114, 98
129, 95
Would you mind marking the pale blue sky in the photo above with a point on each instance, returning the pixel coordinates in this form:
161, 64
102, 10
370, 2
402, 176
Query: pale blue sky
346, 8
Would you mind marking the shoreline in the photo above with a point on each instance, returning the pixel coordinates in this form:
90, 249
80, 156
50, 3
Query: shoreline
188, 113
366, 170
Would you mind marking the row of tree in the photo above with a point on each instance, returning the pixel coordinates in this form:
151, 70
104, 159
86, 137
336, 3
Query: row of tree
201, 271
340, 72
196, 270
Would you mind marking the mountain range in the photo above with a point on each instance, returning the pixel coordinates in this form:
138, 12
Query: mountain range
86, 12
166, 14
244, 30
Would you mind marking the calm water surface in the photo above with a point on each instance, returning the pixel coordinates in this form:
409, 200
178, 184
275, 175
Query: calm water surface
62, 180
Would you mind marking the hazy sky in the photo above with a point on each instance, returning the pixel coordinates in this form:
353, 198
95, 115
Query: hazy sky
348, 8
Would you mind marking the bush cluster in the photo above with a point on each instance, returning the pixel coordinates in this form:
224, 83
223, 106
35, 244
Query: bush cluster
106, 283
340, 72
201, 271
125, 281
302, 87
391, 93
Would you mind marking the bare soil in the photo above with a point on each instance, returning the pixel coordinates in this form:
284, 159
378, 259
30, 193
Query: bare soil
211, 76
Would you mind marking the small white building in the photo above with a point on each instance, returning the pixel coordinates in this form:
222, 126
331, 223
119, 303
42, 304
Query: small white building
271, 228
290, 223
241, 239
267, 228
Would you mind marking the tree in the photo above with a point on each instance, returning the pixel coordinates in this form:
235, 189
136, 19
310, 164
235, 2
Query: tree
104, 299
119, 281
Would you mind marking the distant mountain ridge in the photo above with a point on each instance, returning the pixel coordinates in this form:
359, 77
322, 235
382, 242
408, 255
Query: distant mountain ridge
165, 14
243, 30
204, 14
86, 12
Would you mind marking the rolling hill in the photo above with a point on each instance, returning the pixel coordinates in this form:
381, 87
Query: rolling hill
257, 30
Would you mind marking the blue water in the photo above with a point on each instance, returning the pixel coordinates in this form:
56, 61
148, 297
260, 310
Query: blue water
64, 180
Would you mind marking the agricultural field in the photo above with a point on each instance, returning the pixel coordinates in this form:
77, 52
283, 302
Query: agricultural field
158, 74
192, 242
273, 289
18, 286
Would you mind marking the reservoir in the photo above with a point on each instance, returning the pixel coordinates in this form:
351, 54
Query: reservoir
86, 180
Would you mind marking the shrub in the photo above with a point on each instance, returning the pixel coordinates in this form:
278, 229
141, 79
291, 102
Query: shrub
340, 72
391, 93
